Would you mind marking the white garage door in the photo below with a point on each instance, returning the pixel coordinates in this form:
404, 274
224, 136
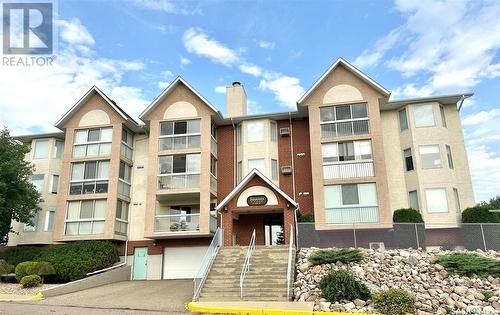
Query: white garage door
182, 262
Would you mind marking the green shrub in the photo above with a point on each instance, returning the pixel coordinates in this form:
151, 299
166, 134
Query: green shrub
468, 264
5, 268
31, 281
17, 254
341, 285
26, 268
344, 255
394, 302
306, 217
74, 260
479, 214
408, 215
487, 295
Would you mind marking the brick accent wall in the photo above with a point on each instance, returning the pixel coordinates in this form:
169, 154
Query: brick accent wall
161, 244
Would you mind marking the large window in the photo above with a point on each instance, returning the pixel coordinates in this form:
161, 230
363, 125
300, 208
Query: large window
347, 151
413, 198
93, 142
430, 156
255, 131
408, 156
449, 156
32, 226
89, 178
38, 180
124, 177
85, 217
273, 131
58, 149
274, 169
182, 134
423, 115
258, 164
344, 120
41, 149
436, 200
351, 203
121, 223
179, 171
127, 144
403, 120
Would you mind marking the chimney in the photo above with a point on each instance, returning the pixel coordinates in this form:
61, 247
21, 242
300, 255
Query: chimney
236, 100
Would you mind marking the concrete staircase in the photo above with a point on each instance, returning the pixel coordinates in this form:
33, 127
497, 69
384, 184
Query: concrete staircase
266, 280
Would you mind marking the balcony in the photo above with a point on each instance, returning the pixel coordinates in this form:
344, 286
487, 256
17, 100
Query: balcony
358, 126
348, 169
213, 183
178, 181
351, 214
175, 223
88, 186
168, 143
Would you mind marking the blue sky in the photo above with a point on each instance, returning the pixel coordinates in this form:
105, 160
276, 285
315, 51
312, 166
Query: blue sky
133, 49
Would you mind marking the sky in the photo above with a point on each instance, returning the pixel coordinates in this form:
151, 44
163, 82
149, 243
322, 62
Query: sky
132, 50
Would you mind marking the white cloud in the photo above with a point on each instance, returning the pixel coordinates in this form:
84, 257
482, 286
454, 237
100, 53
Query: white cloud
33, 98
166, 6
167, 74
372, 57
266, 45
287, 90
163, 85
196, 41
485, 172
220, 89
480, 117
251, 69
253, 108
185, 61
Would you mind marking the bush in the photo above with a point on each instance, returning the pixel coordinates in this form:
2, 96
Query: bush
479, 214
306, 217
468, 264
74, 260
31, 281
344, 255
5, 268
26, 268
408, 215
18, 254
341, 285
394, 301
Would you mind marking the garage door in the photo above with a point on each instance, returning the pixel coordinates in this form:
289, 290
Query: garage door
182, 262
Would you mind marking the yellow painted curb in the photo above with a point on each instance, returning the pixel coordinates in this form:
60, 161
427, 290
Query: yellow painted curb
36, 297
196, 308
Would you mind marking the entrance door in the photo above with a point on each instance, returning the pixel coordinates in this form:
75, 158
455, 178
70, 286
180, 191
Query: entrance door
274, 234
140, 263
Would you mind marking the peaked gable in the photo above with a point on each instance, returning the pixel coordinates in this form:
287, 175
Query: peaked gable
353, 70
246, 180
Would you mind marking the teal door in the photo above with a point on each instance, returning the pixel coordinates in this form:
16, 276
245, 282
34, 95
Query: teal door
140, 263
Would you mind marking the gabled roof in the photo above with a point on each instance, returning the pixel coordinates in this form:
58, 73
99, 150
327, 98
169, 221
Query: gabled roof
95, 90
168, 90
351, 68
243, 183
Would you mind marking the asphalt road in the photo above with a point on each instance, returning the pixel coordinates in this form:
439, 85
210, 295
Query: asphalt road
35, 308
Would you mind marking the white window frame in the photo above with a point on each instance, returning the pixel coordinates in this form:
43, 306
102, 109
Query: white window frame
263, 171
87, 143
57, 151
52, 181
401, 127
351, 120
79, 220
42, 186
449, 157
251, 135
46, 156
273, 131
415, 115
440, 156
429, 190
185, 135
48, 215
443, 116
274, 169
409, 199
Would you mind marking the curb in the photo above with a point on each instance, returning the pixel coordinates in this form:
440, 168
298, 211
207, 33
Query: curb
196, 308
36, 297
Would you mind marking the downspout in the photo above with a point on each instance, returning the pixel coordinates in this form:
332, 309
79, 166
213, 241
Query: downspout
461, 101
234, 152
292, 153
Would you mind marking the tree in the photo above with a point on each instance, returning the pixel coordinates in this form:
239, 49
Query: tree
18, 196
495, 202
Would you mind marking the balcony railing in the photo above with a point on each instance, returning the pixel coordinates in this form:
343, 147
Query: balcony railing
213, 146
358, 126
349, 169
126, 151
179, 142
173, 223
352, 214
88, 186
213, 183
178, 181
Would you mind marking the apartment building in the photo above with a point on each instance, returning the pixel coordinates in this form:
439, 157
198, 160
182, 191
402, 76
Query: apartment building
161, 186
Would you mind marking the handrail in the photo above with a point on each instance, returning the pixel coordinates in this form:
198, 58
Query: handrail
246, 264
289, 270
206, 263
